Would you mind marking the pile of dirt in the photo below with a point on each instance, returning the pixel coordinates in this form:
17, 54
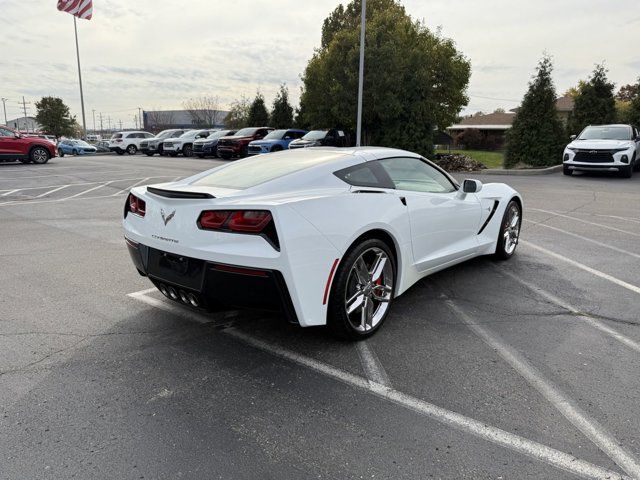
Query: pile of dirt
455, 162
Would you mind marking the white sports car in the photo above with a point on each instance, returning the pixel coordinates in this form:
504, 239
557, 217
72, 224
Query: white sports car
326, 236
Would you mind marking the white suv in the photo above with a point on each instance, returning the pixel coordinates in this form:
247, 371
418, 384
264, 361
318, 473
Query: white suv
604, 148
184, 143
128, 142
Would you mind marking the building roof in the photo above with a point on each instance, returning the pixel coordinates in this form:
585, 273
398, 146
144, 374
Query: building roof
491, 121
565, 104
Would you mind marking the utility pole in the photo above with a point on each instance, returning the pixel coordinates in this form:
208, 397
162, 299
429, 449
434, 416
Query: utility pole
120, 124
135, 119
363, 22
101, 128
109, 120
26, 120
94, 121
140, 117
4, 104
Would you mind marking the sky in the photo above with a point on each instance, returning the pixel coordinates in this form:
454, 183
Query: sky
155, 54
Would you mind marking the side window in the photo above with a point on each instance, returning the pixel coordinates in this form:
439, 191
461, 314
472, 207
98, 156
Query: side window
5, 133
416, 175
369, 174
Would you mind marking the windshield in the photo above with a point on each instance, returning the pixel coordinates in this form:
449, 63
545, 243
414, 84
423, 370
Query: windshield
246, 132
275, 135
216, 135
190, 134
254, 170
620, 132
315, 135
166, 133
82, 143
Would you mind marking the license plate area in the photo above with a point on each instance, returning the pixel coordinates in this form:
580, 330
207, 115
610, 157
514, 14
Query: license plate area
178, 269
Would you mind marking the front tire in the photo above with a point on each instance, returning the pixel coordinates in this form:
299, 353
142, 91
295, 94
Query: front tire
567, 171
187, 150
60, 152
362, 290
39, 155
509, 231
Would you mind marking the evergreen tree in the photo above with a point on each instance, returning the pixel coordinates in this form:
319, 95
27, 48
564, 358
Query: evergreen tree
282, 112
633, 112
595, 103
54, 117
258, 115
537, 136
415, 80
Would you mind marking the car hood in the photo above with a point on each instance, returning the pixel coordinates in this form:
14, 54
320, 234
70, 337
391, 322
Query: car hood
305, 143
235, 137
600, 144
264, 142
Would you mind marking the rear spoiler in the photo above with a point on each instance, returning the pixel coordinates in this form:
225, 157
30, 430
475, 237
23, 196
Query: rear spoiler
175, 194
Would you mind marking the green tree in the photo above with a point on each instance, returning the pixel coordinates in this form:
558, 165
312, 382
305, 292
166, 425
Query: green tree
282, 111
54, 117
633, 111
595, 103
258, 115
537, 136
414, 82
238, 115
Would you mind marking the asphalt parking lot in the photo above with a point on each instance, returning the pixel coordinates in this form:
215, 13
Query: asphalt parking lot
523, 369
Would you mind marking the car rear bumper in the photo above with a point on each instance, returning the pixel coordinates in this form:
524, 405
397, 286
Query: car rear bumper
212, 285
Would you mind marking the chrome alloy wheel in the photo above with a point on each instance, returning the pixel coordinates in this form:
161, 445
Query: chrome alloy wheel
40, 155
511, 231
369, 289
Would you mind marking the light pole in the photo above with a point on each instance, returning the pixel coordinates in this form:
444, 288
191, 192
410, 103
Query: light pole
363, 21
94, 121
4, 105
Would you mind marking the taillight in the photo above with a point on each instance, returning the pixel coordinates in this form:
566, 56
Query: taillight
136, 205
258, 222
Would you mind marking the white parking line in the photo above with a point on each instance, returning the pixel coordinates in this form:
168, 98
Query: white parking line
492, 434
581, 266
9, 192
626, 219
588, 426
52, 191
89, 190
580, 315
124, 190
371, 365
586, 221
585, 239
551, 456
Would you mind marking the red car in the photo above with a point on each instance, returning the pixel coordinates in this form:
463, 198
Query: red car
238, 145
14, 146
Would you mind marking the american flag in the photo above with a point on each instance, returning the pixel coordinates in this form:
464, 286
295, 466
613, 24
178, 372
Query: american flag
79, 8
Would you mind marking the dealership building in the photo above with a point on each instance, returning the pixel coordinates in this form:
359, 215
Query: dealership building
157, 120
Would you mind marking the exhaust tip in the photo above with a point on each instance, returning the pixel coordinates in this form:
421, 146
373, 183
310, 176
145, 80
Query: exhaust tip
193, 300
163, 290
183, 297
173, 295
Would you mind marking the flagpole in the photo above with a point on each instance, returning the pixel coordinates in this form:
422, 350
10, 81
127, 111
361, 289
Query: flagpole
84, 120
363, 20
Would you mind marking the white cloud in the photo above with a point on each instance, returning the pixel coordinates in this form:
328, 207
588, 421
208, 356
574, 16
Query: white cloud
152, 53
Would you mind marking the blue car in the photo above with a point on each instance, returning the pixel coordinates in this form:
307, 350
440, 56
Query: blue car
75, 147
275, 141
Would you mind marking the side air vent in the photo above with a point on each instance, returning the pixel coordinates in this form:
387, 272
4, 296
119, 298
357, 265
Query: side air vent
493, 211
174, 194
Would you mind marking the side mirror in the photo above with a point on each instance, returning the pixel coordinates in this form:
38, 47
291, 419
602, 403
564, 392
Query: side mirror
17, 135
573, 137
471, 186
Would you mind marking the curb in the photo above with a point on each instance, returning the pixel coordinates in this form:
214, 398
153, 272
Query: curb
524, 171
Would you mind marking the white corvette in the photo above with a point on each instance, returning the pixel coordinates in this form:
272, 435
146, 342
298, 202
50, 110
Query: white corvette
324, 235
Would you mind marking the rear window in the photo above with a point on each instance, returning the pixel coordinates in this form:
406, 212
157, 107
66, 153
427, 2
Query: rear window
253, 171
116, 135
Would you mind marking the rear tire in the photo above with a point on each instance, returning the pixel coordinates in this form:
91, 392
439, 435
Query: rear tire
39, 155
60, 152
567, 171
224, 156
120, 152
200, 155
276, 148
509, 233
149, 154
132, 150
74, 152
362, 290
635, 163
